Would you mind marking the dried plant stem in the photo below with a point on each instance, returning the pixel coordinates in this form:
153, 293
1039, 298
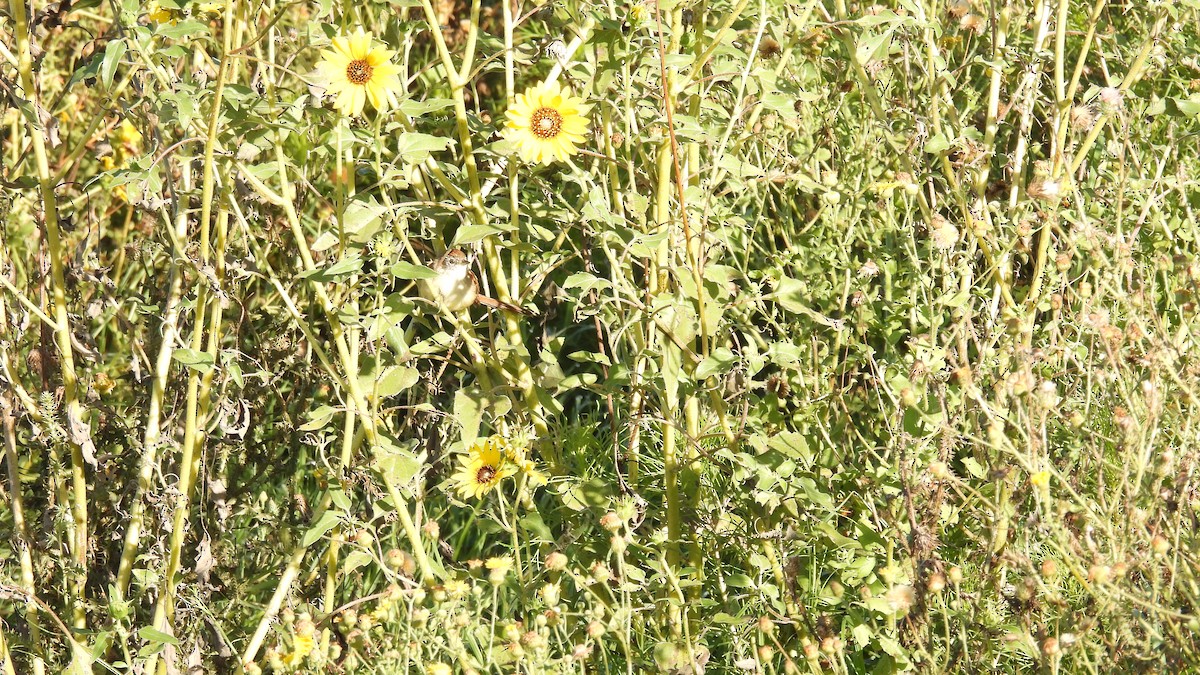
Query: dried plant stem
290, 572
77, 591
199, 385
1027, 89
1131, 77
21, 532
162, 366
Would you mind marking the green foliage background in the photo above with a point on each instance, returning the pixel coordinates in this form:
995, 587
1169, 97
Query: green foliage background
864, 340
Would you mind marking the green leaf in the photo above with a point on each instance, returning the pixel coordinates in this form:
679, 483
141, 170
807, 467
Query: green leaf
719, 361
113, 53
535, 526
417, 147
1181, 107
325, 241
229, 358
418, 108
341, 269
595, 493
325, 523
468, 411
585, 282
407, 270
973, 467
395, 379
739, 580
397, 464
181, 30
318, 418
937, 144
646, 245
862, 634
355, 560
791, 444
153, 635
340, 499
469, 234
201, 362
873, 46
590, 357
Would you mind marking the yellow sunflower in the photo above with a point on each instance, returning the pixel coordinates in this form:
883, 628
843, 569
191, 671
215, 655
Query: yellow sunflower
546, 123
485, 465
356, 70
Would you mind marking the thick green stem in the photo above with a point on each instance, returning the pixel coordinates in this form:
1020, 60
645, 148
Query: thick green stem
77, 591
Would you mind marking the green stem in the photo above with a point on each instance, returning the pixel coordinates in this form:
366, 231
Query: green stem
199, 388
77, 592
152, 434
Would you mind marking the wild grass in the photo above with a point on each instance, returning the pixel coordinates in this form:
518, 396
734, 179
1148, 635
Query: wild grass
863, 340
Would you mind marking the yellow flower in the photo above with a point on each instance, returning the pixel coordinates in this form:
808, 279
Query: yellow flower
128, 135
502, 563
457, 588
159, 14
498, 569
302, 646
357, 70
1041, 479
483, 468
546, 123
210, 7
438, 669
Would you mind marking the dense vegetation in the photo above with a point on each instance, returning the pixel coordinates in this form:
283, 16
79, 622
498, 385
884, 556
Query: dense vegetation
856, 338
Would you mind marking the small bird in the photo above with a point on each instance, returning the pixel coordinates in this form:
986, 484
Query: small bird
455, 287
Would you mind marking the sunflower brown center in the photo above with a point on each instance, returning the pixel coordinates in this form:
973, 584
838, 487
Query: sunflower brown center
545, 123
485, 474
359, 71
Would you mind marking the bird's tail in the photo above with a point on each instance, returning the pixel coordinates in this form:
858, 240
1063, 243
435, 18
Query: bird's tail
498, 304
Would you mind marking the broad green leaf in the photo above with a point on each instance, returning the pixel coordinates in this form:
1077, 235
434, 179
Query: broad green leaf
397, 464
937, 144
407, 270
325, 241
325, 523
363, 218
182, 29
468, 412
340, 499
418, 108
719, 361
416, 147
154, 635
396, 379
1181, 107
201, 362
469, 234
113, 53
873, 46
318, 418
355, 560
